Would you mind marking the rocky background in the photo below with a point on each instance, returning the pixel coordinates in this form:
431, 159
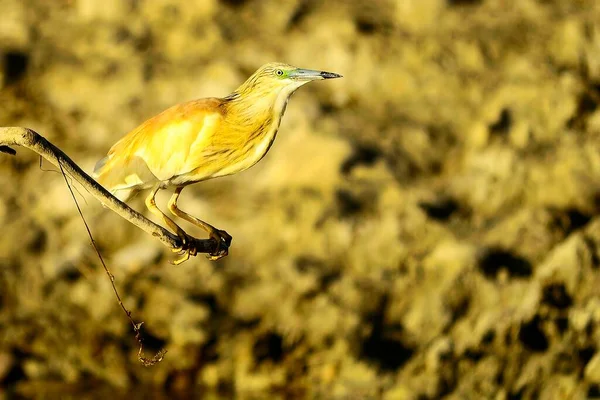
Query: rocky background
424, 227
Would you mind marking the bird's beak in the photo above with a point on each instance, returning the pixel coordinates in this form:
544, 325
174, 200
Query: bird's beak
311, 75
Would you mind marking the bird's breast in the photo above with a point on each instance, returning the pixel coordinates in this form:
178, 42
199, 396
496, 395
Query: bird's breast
254, 147
240, 140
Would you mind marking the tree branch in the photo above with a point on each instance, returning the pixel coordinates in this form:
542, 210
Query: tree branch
18, 136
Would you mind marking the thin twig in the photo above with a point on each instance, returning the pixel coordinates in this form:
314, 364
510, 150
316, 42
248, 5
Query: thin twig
64, 175
136, 326
18, 136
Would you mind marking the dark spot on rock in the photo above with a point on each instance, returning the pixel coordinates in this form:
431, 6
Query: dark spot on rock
532, 335
15, 65
384, 346
488, 338
15, 374
111, 70
308, 263
209, 352
301, 12
593, 248
587, 103
361, 155
76, 114
508, 339
569, 220
134, 103
148, 71
327, 279
366, 26
556, 295
37, 243
448, 377
143, 42
577, 220
435, 167
70, 274
562, 324
499, 378
495, 259
459, 302
206, 299
565, 363
348, 204
473, 354
502, 125
388, 353
593, 391
526, 392
404, 168
268, 347
585, 354
440, 209
122, 34
327, 108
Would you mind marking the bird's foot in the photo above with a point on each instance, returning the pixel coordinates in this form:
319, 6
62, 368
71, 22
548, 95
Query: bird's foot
223, 242
186, 249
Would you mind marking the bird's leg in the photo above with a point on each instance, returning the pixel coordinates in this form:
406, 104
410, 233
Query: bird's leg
186, 239
223, 238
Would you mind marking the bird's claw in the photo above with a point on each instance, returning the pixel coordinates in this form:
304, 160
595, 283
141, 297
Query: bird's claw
186, 249
223, 242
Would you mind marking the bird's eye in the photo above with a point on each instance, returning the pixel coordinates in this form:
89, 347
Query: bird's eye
279, 72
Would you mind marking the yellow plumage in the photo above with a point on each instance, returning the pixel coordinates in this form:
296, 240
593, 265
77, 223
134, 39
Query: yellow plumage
203, 139
175, 142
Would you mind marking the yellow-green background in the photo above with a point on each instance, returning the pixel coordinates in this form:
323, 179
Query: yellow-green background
424, 227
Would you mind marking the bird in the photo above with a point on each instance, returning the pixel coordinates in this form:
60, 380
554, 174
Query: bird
199, 140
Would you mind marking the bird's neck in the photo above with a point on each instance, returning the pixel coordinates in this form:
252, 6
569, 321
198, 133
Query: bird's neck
255, 108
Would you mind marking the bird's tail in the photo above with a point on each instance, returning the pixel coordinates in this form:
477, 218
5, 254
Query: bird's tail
112, 179
100, 165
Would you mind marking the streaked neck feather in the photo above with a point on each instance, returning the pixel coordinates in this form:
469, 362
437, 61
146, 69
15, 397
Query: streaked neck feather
255, 106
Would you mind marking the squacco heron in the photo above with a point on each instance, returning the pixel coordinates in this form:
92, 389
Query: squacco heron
202, 139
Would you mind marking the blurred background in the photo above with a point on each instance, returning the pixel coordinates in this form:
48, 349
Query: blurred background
424, 227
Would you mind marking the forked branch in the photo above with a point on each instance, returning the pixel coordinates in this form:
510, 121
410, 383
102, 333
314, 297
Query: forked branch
18, 136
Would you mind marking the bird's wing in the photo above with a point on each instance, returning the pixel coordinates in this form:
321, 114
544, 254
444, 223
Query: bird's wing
160, 148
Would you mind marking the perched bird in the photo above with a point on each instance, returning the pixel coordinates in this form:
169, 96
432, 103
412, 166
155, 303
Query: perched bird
202, 139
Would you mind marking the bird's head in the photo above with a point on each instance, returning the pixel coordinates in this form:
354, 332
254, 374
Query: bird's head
280, 77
